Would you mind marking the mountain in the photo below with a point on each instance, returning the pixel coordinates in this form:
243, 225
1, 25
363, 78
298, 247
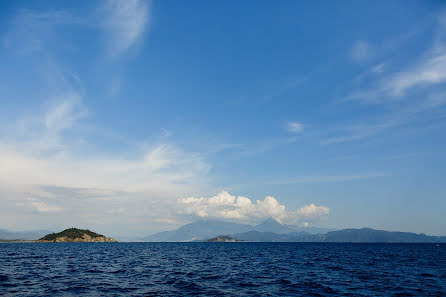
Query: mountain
371, 235
271, 225
22, 235
205, 229
273, 231
198, 230
75, 235
346, 235
315, 230
257, 236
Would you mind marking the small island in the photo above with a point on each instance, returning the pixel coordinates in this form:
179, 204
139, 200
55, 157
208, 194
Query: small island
224, 238
75, 235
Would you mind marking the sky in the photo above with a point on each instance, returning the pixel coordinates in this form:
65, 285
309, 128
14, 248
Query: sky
132, 117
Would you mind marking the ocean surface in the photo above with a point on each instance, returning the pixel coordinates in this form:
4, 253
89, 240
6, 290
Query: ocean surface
222, 269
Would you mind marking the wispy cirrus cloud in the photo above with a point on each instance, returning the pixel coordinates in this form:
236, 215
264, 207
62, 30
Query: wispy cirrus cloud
125, 22
32, 29
329, 178
428, 71
52, 160
430, 108
39, 133
392, 82
45, 171
400, 94
361, 51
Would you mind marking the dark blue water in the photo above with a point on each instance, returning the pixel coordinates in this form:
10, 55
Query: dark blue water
222, 269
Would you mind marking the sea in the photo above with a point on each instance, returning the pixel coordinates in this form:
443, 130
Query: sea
222, 269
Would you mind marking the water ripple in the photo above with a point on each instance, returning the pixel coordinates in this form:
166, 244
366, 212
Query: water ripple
222, 269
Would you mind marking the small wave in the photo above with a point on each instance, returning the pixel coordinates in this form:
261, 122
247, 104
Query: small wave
210, 277
267, 270
94, 271
187, 285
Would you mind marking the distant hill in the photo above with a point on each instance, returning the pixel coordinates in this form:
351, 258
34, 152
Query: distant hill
258, 236
205, 229
371, 235
273, 231
271, 225
346, 235
201, 229
22, 235
76, 235
224, 238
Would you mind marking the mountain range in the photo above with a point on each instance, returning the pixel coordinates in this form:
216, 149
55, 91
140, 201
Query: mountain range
267, 231
205, 229
273, 231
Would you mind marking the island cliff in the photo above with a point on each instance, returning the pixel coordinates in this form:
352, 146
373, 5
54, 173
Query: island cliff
75, 235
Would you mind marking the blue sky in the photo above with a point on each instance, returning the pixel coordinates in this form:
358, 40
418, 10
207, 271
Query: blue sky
130, 117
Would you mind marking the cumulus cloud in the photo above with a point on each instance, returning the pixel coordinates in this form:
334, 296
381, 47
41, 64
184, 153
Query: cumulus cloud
126, 21
312, 210
227, 206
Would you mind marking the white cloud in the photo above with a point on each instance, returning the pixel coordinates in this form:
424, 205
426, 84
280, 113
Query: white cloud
422, 72
42, 206
43, 131
312, 211
379, 68
126, 21
32, 29
360, 51
404, 94
65, 113
430, 70
46, 179
170, 170
295, 127
226, 206
57, 168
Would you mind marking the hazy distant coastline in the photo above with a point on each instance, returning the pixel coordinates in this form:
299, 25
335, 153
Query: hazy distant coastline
273, 231
222, 231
